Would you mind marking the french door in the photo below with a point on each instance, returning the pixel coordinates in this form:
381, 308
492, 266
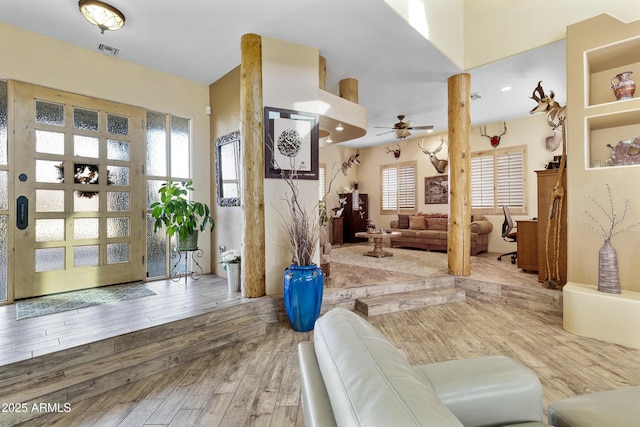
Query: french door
79, 188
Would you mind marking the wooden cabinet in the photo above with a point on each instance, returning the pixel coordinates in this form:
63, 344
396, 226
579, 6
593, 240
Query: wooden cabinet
528, 245
337, 231
355, 216
546, 181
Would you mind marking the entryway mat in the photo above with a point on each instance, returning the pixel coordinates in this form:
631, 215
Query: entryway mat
50, 304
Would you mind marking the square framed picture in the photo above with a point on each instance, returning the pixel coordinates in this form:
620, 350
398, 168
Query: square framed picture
436, 190
291, 143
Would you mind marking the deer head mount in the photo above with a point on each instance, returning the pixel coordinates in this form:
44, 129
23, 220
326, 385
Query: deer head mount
439, 164
495, 140
348, 164
396, 152
556, 114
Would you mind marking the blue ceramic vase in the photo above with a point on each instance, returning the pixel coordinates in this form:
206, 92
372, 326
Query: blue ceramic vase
303, 286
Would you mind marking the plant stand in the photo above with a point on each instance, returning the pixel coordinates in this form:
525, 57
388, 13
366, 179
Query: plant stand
179, 255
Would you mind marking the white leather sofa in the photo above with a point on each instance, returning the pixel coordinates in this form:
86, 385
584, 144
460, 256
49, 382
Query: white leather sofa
351, 375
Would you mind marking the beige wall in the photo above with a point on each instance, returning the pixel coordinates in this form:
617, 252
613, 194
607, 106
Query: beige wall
595, 120
529, 130
443, 21
463, 29
225, 113
496, 29
39, 60
333, 156
289, 76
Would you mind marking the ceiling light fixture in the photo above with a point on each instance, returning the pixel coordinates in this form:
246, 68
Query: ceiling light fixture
339, 127
101, 15
506, 89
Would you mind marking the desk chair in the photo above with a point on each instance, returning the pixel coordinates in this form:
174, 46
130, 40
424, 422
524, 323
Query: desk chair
509, 234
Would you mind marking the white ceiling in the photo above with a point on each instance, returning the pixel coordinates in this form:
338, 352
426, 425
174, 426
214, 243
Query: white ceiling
399, 71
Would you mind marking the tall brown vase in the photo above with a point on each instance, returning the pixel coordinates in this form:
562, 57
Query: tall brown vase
608, 280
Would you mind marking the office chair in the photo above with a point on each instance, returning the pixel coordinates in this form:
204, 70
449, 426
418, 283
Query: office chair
508, 234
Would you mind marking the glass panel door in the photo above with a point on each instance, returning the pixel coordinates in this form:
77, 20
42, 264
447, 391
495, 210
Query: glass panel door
79, 188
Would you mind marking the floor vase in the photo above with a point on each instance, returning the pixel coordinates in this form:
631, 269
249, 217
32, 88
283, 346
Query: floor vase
608, 280
233, 277
303, 286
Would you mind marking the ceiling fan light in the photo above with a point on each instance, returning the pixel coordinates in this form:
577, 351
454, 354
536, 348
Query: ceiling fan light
102, 15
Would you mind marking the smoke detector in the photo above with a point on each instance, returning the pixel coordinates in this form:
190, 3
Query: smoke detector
475, 95
108, 50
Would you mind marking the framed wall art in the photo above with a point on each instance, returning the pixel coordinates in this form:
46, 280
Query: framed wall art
291, 143
436, 190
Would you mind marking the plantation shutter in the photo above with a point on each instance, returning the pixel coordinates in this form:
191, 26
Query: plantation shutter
398, 190
389, 187
321, 184
482, 182
498, 179
510, 182
406, 187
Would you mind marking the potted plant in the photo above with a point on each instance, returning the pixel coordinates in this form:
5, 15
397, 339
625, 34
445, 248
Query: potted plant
179, 215
231, 261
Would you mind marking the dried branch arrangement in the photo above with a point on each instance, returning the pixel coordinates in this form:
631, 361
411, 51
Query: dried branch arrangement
609, 230
302, 224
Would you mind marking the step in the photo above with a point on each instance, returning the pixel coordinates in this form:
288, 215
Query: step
392, 303
54, 380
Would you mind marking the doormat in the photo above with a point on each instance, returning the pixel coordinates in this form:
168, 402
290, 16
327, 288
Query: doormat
50, 304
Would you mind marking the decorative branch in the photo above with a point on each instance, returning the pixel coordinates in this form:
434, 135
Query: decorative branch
302, 225
612, 215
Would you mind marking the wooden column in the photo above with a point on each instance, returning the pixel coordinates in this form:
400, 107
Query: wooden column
349, 89
459, 241
323, 73
252, 194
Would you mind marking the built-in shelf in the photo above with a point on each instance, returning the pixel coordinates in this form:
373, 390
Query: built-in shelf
609, 121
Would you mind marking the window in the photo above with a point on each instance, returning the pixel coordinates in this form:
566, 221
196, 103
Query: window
321, 183
498, 179
398, 188
168, 143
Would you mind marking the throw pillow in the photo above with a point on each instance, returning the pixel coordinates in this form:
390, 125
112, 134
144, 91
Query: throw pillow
437, 224
403, 221
417, 223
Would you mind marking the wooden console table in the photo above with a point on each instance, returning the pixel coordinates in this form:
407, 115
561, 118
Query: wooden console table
527, 244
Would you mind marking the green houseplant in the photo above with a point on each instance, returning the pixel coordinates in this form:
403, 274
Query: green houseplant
179, 215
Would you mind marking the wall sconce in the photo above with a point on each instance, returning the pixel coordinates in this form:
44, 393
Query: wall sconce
101, 15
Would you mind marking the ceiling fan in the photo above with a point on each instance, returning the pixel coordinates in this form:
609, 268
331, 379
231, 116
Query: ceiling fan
402, 128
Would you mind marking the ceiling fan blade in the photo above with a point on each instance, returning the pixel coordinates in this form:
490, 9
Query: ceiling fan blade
383, 133
383, 127
420, 127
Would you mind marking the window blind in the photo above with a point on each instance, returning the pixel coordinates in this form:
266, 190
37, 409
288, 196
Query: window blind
398, 188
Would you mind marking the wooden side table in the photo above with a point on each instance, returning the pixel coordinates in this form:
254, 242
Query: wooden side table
377, 242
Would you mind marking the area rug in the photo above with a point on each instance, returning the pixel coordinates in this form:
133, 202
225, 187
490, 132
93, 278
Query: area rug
407, 261
50, 304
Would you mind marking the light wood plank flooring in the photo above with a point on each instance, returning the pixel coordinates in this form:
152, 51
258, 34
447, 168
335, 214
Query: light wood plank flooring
255, 383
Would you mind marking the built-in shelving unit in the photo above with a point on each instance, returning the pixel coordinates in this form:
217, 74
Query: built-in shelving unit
609, 121
597, 50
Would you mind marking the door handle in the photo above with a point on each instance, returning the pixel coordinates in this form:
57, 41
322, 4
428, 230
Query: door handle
22, 212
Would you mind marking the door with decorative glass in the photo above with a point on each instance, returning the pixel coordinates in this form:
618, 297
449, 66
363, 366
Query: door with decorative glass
79, 191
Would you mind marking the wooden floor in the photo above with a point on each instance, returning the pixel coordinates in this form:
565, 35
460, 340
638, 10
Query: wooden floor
255, 383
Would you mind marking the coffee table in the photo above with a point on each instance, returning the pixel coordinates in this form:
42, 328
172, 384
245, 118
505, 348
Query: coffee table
377, 242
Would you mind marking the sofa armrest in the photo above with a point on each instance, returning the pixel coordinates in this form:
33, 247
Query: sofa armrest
481, 227
491, 390
316, 406
393, 224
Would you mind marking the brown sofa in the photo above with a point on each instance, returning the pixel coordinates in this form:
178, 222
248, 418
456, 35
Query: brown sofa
429, 231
